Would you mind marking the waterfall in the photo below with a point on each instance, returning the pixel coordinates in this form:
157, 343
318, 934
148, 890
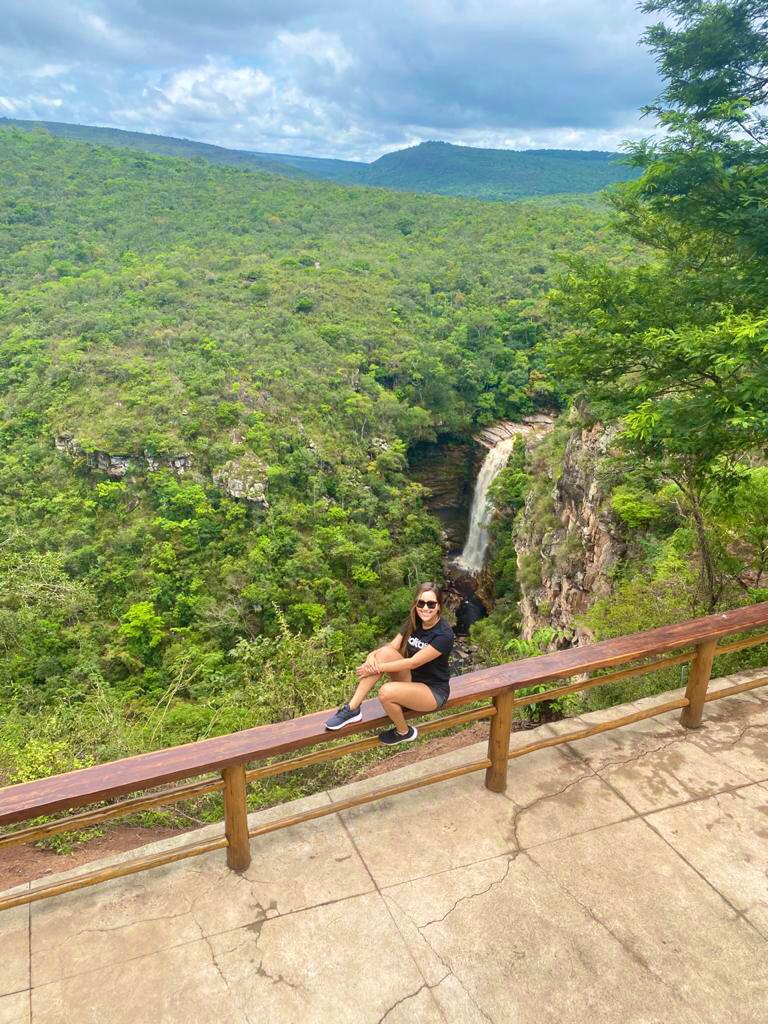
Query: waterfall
473, 555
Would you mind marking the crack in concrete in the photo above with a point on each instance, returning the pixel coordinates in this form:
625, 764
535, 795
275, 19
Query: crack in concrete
450, 973
511, 858
411, 995
278, 979
383, 899
756, 905
695, 799
643, 817
445, 871
260, 970
593, 916
628, 948
688, 736
224, 931
720, 746
521, 809
234, 994
133, 924
636, 757
219, 971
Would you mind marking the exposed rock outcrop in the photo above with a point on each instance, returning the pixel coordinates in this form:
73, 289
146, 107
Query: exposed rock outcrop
244, 479
118, 466
532, 428
567, 539
176, 463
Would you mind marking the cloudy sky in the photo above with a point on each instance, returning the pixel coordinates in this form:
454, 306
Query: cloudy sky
333, 78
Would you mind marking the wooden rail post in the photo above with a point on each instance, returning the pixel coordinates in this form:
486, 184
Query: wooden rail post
236, 818
698, 680
498, 742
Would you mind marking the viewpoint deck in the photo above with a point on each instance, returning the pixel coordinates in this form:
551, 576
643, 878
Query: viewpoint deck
622, 879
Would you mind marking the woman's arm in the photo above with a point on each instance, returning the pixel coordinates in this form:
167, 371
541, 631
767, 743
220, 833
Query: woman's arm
371, 664
428, 653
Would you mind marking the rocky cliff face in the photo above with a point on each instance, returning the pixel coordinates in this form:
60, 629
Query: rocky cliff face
449, 470
243, 479
118, 466
567, 539
446, 469
531, 428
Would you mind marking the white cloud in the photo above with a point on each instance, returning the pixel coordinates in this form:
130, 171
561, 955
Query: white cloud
242, 107
214, 84
214, 91
316, 46
50, 71
315, 78
31, 105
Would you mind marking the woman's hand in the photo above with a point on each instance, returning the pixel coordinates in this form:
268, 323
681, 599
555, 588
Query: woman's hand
370, 668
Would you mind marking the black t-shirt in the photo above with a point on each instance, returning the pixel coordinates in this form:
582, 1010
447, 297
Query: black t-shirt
439, 636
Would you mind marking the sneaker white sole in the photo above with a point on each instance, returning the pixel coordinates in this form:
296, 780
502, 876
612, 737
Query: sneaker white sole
349, 721
403, 739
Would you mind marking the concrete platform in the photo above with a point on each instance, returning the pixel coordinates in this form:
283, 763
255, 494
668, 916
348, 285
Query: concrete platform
621, 879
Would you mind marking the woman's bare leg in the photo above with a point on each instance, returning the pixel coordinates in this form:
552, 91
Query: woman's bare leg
367, 683
398, 695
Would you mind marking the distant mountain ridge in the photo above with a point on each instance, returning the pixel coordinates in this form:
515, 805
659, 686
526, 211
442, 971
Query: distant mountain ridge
440, 168
164, 145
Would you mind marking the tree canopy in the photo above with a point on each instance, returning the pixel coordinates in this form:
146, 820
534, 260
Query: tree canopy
676, 349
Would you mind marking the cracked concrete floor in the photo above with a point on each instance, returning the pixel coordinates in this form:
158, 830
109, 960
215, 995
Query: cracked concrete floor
620, 879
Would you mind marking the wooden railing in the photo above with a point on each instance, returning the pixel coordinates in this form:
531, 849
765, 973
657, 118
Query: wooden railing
696, 640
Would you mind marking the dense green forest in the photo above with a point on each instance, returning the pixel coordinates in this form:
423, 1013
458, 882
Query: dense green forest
210, 380
434, 167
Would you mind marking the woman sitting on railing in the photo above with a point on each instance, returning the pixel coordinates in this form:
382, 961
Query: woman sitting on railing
416, 662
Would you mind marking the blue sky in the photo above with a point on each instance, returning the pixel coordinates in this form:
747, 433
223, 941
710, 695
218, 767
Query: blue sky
337, 78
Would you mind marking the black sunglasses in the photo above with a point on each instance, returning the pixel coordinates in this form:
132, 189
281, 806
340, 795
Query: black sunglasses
426, 604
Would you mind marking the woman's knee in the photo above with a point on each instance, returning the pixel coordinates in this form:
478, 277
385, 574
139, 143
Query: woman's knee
389, 653
387, 691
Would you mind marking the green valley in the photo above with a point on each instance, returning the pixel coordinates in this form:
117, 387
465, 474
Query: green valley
222, 390
210, 380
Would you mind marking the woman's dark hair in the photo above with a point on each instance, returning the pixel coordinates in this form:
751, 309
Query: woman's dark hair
412, 622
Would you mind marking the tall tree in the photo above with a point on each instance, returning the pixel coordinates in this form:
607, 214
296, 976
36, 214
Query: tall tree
677, 348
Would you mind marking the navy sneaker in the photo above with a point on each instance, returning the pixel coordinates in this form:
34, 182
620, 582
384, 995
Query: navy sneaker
392, 736
344, 716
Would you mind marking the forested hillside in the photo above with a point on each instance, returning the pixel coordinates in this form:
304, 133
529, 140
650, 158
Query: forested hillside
209, 383
495, 173
160, 145
433, 167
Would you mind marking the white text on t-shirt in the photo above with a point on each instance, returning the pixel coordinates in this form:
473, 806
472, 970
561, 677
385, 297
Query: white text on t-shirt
418, 644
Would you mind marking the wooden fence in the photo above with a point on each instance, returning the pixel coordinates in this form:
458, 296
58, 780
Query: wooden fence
696, 642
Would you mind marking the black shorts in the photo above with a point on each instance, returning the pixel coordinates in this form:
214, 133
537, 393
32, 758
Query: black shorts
440, 691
